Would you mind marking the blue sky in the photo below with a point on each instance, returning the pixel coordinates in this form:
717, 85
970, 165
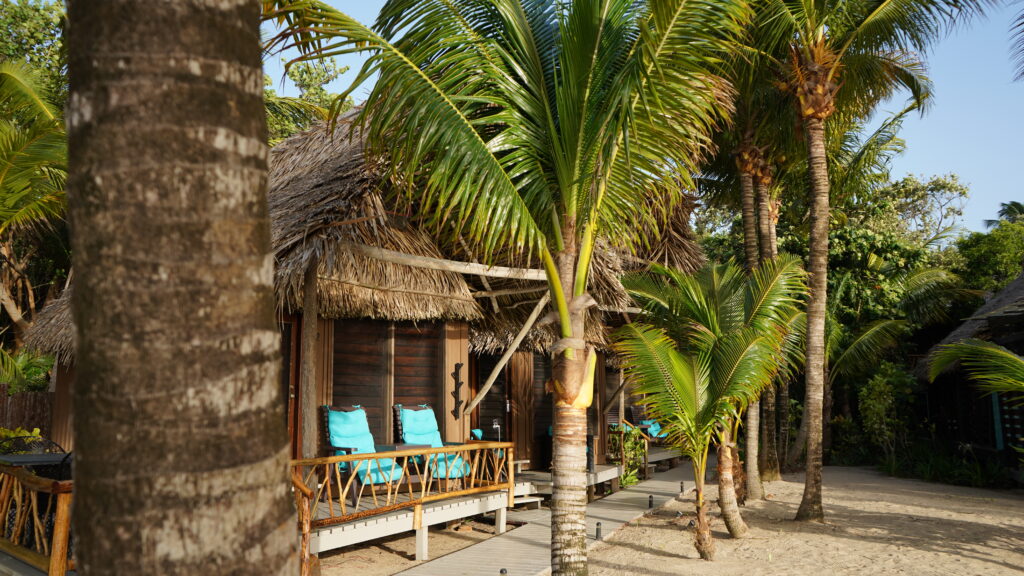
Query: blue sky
973, 128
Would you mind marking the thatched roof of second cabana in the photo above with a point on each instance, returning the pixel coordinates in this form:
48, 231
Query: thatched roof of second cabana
1000, 319
52, 330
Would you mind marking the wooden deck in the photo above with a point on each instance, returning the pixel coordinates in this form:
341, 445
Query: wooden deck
379, 526
658, 454
541, 481
526, 551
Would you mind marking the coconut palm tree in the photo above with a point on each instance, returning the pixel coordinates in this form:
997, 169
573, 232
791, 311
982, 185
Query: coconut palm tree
1012, 211
845, 55
537, 127
33, 149
709, 345
182, 454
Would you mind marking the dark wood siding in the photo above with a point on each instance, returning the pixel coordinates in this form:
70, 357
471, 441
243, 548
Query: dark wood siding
361, 370
418, 349
492, 407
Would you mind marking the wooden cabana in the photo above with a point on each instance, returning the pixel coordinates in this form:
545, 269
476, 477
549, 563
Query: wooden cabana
991, 424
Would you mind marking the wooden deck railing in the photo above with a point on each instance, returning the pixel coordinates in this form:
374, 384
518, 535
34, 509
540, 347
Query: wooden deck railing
422, 475
36, 514
328, 490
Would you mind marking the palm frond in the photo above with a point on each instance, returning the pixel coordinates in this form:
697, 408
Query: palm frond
866, 348
993, 367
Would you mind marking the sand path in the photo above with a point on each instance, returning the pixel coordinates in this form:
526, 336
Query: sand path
875, 525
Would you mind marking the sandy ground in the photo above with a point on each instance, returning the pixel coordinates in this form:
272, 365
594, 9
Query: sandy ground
397, 553
874, 525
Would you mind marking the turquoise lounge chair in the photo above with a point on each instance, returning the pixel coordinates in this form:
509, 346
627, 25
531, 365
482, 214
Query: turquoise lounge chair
348, 432
654, 430
418, 425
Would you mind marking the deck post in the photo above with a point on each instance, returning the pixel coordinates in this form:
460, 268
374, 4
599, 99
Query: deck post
61, 531
421, 533
511, 477
500, 520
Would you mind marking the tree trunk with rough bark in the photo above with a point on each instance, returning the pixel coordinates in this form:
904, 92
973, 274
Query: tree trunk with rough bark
810, 505
703, 541
769, 455
573, 390
182, 454
726, 490
753, 418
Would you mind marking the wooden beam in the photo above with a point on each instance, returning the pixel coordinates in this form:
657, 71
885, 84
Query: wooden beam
508, 292
307, 375
508, 353
446, 265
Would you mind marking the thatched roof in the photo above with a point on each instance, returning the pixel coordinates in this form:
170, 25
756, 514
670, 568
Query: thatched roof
323, 198
52, 331
1000, 315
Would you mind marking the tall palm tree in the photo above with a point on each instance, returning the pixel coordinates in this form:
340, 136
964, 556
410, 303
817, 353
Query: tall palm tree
711, 346
849, 55
1012, 211
537, 127
182, 453
33, 149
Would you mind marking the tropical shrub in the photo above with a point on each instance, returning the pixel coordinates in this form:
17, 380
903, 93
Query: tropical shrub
634, 447
883, 402
24, 371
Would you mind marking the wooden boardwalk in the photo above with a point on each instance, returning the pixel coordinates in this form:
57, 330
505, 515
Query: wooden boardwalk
525, 551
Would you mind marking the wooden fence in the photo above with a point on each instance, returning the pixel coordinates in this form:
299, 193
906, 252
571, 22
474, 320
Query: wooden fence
26, 410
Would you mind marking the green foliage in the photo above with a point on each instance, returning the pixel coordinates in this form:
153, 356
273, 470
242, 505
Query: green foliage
1012, 211
992, 259
849, 445
993, 367
6, 433
884, 402
575, 117
24, 371
933, 461
31, 31
287, 116
33, 150
920, 212
714, 344
635, 452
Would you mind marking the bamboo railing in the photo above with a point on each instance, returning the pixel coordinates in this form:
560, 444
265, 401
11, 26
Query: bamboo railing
28, 503
423, 475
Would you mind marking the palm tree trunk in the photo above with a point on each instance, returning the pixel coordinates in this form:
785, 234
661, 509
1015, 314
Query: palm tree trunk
573, 393
769, 462
182, 454
753, 420
702, 539
726, 490
810, 505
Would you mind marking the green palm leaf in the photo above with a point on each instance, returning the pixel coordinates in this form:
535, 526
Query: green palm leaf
866, 348
993, 367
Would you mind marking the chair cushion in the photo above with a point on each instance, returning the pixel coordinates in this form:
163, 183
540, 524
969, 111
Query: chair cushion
379, 471
350, 430
420, 427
